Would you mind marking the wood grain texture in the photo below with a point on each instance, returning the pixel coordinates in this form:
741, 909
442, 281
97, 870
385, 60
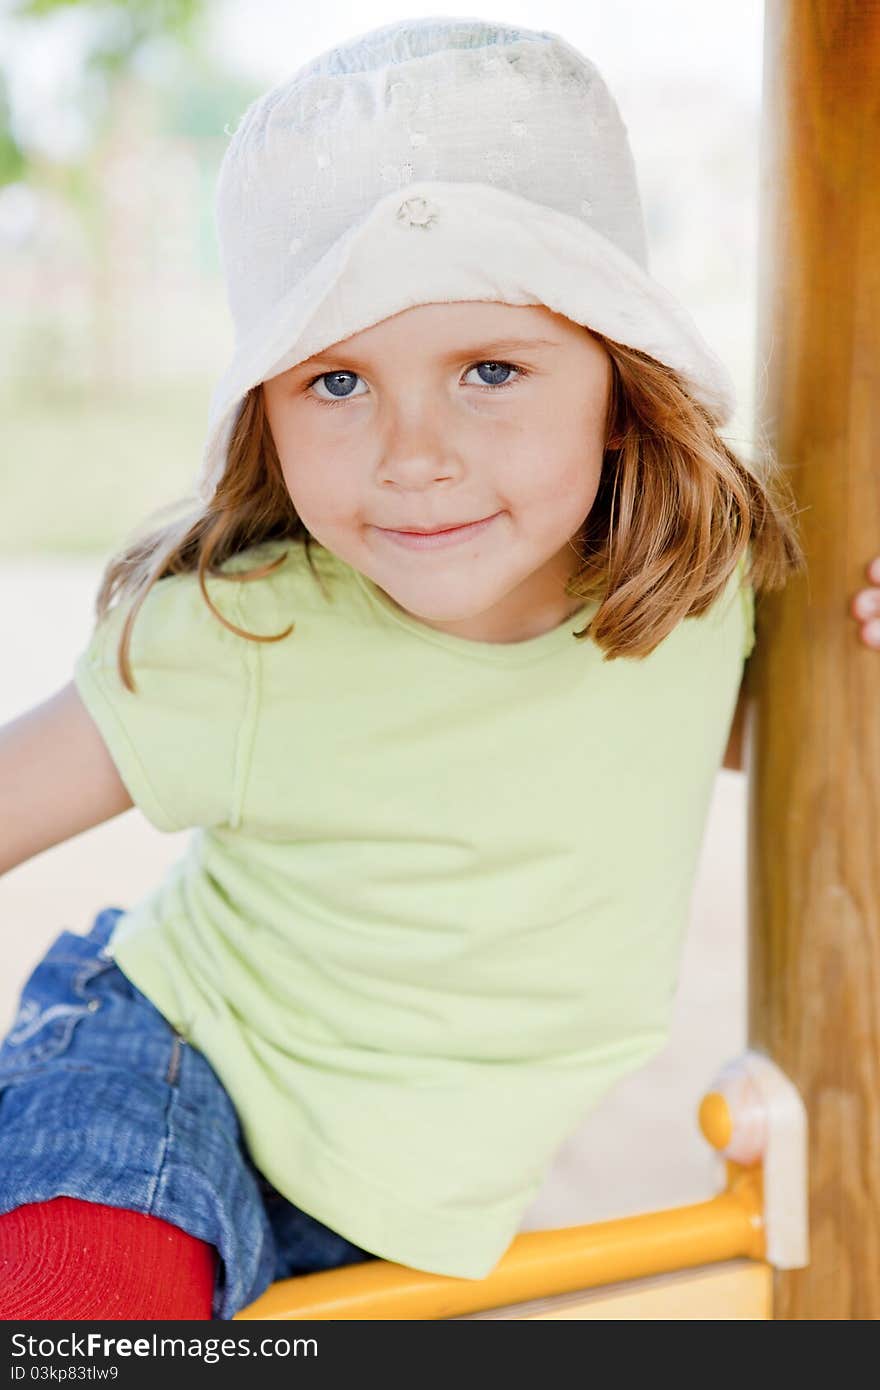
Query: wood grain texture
814, 690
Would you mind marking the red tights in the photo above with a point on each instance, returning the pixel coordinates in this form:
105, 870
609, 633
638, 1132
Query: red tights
70, 1259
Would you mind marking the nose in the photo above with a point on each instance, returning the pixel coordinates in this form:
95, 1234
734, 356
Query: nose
418, 448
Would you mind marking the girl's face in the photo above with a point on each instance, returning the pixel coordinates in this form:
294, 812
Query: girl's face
436, 418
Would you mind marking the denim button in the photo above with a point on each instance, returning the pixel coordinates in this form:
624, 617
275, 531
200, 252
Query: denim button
93, 1005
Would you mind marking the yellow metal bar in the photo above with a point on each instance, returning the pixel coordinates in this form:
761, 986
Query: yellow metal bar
732, 1291
537, 1264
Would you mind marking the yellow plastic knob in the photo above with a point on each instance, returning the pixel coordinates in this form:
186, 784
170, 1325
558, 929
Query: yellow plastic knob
716, 1121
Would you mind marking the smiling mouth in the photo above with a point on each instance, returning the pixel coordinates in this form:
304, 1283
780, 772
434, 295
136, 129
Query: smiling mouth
444, 535
436, 530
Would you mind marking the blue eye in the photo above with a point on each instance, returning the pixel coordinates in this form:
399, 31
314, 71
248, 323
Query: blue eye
496, 367
334, 380
338, 382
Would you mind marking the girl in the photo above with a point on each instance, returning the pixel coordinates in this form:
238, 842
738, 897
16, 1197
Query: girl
439, 664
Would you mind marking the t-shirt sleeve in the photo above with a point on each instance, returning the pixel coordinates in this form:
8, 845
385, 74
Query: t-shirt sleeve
175, 739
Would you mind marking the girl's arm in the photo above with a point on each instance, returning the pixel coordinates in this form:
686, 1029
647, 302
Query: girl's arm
733, 755
56, 778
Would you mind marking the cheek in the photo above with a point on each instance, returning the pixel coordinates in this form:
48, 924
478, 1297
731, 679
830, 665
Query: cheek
560, 455
319, 493
580, 457
302, 458
561, 487
584, 484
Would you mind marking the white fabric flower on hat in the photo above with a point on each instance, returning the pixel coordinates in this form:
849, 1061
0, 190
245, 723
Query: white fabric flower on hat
418, 212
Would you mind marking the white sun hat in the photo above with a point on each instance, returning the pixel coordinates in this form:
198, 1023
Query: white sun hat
428, 161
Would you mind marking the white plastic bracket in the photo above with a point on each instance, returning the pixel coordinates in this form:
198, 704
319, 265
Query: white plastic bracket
770, 1126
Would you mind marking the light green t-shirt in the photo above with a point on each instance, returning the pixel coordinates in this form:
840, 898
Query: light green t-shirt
434, 903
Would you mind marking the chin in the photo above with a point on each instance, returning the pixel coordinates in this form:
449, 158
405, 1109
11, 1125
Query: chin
445, 609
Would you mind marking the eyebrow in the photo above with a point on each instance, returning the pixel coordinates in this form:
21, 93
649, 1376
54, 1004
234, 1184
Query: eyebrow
480, 350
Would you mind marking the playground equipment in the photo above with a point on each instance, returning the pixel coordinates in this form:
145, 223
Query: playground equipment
813, 752
753, 1116
812, 727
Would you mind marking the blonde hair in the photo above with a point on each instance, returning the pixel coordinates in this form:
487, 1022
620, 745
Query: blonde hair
675, 511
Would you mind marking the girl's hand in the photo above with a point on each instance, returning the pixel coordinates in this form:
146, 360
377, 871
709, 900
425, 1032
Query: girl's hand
865, 606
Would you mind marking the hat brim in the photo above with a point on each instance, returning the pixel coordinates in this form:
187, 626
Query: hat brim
437, 242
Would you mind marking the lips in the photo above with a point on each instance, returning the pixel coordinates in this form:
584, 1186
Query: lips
434, 530
447, 536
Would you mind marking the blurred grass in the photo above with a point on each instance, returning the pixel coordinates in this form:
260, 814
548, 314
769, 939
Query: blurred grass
78, 472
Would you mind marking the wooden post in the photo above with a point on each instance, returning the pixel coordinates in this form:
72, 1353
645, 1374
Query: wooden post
813, 722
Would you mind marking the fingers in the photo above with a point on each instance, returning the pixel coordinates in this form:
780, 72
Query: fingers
865, 606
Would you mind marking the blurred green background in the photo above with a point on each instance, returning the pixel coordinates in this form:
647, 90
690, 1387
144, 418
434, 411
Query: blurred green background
113, 307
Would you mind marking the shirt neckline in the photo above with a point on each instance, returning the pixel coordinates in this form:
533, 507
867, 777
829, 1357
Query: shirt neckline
499, 653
